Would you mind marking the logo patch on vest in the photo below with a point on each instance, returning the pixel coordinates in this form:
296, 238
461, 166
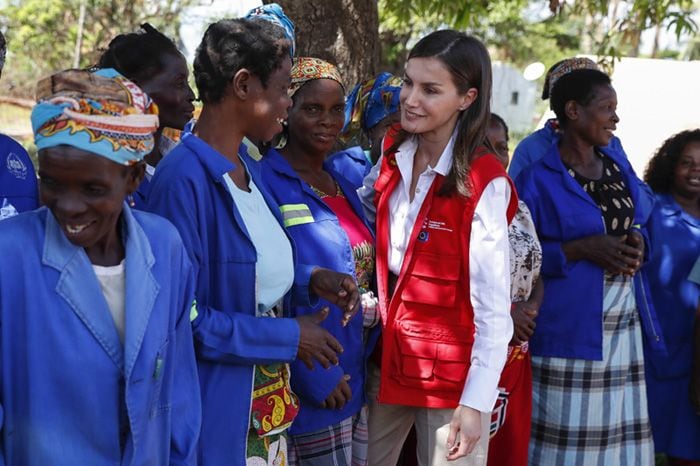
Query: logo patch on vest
423, 236
16, 166
437, 225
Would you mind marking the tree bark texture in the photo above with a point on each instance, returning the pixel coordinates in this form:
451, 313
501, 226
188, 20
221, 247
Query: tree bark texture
343, 32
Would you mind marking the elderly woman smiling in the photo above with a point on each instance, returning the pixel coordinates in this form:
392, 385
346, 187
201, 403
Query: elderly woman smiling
98, 365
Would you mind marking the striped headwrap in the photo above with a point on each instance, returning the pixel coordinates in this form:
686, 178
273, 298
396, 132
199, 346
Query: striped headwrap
274, 13
569, 65
102, 112
305, 69
369, 103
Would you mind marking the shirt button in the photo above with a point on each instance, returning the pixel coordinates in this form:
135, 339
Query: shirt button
417, 190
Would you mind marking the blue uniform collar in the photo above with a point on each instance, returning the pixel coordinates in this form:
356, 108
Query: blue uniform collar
552, 160
215, 163
81, 290
670, 208
276, 162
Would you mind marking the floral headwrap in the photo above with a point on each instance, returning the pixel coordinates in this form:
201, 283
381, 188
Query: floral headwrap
102, 112
369, 103
274, 13
567, 66
305, 69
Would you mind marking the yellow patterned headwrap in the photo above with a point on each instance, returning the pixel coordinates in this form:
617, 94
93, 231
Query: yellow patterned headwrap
102, 112
305, 69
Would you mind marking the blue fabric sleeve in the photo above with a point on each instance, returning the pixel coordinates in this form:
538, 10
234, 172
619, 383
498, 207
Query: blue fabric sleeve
554, 262
235, 337
315, 384
186, 401
301, 291
519, 160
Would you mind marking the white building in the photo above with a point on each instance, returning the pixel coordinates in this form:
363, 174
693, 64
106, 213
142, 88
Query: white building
513, 97
655, 99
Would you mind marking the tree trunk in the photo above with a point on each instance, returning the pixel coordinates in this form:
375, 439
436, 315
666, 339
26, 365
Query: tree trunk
343, 32
657, 41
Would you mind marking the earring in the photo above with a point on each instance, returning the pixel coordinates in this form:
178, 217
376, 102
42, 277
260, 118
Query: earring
130, 201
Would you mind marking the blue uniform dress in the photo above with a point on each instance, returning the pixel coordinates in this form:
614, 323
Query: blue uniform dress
675, 242
589, 397
71, 393
320, 238
18, 187
189, 189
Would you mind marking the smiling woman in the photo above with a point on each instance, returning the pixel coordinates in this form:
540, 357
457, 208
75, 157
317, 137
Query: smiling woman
588, 209
153, 62
333, 233
105, 293
88, 202
248, 271
674, 231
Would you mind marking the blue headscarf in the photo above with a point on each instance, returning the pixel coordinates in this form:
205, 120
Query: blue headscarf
274, 13
369, 103
102, 113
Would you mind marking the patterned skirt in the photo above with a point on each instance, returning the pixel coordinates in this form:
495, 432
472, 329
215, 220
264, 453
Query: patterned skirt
595, 412
342, 444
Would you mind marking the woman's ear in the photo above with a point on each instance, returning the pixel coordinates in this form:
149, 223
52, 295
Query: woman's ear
571, 110
240, 84
468, 98
134, 176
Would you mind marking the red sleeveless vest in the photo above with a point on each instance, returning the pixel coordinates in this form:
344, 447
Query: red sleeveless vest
428, 323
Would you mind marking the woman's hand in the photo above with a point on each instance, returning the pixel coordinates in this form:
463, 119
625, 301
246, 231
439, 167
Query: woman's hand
523, 315
315, 342
338, 288
613, 253
636, 240
465, 432
340, 395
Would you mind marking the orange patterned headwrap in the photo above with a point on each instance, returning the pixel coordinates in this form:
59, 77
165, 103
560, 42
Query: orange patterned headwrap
305, 69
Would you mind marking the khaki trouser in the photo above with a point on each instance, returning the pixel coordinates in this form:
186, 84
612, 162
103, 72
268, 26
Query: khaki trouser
389, 426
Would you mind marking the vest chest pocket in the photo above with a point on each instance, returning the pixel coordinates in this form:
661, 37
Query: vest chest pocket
433, 280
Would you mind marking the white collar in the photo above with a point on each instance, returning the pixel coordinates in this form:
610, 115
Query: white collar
408, 149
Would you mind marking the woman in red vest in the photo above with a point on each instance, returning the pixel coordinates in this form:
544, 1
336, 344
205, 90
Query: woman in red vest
444, 304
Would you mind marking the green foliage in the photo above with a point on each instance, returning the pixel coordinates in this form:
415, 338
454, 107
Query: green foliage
516, 31
618, 25
42, 34
523, 31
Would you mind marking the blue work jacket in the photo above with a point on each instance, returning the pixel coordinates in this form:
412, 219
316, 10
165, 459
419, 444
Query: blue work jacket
18, 186
189, 189
351, 163
535, 146
72, 393
570, 321
675, 239
140, 196
320, 239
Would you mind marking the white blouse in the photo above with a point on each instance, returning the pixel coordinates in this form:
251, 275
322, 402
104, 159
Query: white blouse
274, 270
489, 264
112, 280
